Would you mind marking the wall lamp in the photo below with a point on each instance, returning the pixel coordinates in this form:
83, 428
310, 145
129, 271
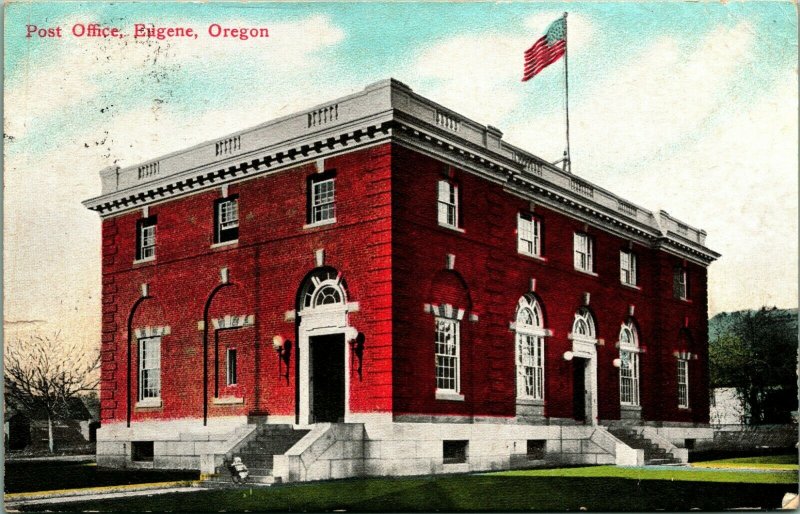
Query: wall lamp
568, 356
617, 363
283, 348
357, 349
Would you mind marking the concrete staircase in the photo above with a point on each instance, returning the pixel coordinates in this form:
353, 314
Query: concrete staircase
258, 453
654, 455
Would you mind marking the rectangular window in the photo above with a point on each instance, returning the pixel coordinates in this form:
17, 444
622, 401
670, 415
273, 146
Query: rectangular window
142, 451
535, 449
146, 238
583, 252
448, 204
530, 366
629, 378
681, 283
454, 452
226, 219
231, 367
529, 235
627, 267
322, 196
447, 355
683, 383
149, 368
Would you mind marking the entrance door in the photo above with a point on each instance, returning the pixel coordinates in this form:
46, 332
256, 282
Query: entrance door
579, 389
326, 379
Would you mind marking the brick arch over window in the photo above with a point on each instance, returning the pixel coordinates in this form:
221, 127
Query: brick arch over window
145, 314
228, 307
449, 287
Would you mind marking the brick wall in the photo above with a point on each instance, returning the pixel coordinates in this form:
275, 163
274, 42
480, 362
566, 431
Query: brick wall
266, 267
496, 276
388, 246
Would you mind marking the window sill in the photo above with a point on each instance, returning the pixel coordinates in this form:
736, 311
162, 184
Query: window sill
449, 396
532, 256
143, 261
451, 227
228, 400
150, 403
587, 272
684, 409
224, 244
631, 286
319, 223
684, 300
529, 401
630, 407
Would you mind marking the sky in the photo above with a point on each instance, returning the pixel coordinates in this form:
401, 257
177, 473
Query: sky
687, 107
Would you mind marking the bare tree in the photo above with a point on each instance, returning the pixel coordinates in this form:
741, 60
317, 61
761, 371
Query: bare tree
44, 372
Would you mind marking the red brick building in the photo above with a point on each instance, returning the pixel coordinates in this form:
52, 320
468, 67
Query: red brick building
392, 289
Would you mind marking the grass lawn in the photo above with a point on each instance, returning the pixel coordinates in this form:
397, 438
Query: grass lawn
497, 492
679, 474
50, 475
776, 462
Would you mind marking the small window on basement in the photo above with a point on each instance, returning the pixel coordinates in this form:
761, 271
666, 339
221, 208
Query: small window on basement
142, 451
226, 216
536, 449
454, 452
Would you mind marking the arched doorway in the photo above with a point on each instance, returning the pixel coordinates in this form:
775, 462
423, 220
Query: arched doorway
323, 357
584, 351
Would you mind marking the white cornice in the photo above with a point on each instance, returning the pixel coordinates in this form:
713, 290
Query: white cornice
389, 111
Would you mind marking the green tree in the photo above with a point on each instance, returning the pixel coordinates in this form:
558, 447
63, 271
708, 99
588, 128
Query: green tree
755, 352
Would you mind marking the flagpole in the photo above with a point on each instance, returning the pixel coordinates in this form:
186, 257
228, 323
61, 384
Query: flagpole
567, 157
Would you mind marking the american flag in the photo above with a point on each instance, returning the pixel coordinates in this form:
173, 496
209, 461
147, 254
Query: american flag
547, 50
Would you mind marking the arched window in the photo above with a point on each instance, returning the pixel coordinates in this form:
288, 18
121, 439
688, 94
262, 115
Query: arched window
530, 332
583, 326
324, 289
629, 364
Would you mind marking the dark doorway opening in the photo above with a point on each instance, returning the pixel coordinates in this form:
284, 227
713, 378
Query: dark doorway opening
327, 378
579, 389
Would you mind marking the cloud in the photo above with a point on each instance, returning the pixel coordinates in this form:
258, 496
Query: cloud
663, 95
479, 74
47, 232
83, 68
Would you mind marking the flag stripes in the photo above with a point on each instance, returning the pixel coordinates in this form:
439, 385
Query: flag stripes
541, 55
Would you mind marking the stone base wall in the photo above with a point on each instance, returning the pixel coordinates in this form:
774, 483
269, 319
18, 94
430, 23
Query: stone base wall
681, 436
385, 448
397, 449
177, 444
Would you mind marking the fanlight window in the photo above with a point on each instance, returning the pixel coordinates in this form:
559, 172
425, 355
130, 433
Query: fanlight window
628, 336
327, 295
583, 326
529, 313
323, 289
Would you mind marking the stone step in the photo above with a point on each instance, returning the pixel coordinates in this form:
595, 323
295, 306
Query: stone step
659, 462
